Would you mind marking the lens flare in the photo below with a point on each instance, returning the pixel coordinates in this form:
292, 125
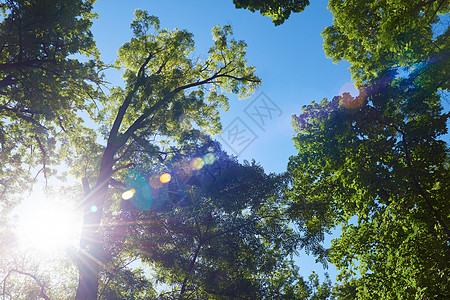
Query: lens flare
165, 178
350, 88
209, 158
138, 190
128, 194
197, 163
93, 208
350, 102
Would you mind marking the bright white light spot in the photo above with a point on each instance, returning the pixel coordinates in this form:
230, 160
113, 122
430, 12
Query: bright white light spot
128, 194
48, 228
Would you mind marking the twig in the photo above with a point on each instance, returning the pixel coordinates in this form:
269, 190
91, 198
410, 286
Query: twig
123, 167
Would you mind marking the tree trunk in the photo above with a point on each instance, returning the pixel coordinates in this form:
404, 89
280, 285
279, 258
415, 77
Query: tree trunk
90, 256
88, 266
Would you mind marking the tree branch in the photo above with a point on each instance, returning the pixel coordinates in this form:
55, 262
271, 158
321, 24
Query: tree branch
116, 183
42, 294
191, 267
139, 121
32, 63
416, 182
19, 113
123, 108
123, 167
44, 154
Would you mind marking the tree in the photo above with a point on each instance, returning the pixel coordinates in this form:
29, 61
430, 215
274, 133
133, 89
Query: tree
49, 73
377, 165
287, 283
126, 283
166, 92
215, 231
41, 86
279, 11
376, 35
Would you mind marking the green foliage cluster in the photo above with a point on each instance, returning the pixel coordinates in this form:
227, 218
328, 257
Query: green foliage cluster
169, 95
286, 283
214, 233
220, 222
42, 87
278, 10
376, 35
378, 164
382, 172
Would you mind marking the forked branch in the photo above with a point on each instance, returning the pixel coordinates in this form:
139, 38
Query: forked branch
42, 293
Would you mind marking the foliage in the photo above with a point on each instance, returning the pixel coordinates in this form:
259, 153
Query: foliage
46, 80
42, 85
126, 283
376, 35
217, 230
286, 283
376, 164
169, 95
279, 11
214, 232
31, 276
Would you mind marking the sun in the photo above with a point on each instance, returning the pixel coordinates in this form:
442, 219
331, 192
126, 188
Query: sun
48, 228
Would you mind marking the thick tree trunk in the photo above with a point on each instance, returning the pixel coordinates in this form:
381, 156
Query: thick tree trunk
89, 273
90, 256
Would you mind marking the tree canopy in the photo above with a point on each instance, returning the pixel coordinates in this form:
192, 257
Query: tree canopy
380, 170
376, 35
378, 163
167, 214
279, 11
167, 92
42, 85
224, 220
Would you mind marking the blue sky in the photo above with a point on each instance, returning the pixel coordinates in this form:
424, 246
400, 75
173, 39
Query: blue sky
289, 59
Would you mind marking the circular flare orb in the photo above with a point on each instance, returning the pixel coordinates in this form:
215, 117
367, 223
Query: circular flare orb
197, 163
165, 178
94, 208
354, 98
209, 158
128, 194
